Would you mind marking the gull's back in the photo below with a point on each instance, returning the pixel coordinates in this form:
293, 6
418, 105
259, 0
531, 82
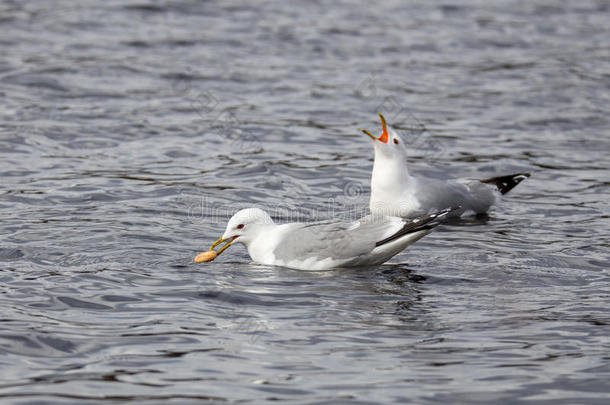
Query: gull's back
336, 241
369, 241
434, 195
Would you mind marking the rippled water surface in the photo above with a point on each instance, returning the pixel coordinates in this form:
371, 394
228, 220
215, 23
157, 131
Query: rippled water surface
131, 130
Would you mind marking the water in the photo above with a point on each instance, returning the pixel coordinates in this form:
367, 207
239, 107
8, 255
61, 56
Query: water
130, 131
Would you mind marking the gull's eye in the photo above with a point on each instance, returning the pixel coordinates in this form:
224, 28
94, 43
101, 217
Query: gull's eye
240, 226
396, 141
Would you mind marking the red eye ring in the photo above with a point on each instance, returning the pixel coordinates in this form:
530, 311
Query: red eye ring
240, 226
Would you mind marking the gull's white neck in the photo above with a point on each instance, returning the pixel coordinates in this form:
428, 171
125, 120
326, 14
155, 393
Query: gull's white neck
262, 241
390, 181
389, 174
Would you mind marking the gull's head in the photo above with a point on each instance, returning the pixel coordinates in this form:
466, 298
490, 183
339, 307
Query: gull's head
389, 144
244, 223
242, 227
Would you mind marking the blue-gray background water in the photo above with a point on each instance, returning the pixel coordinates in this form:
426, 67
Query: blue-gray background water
131, 130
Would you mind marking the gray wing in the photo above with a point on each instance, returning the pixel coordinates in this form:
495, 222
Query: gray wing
434, 195
346, 241
338, 241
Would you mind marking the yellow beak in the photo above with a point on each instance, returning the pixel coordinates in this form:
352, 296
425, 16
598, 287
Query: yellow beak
211, 254
369, 134
383, 123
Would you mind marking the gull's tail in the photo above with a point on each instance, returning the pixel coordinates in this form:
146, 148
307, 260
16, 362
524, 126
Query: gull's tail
506, 183
424, 223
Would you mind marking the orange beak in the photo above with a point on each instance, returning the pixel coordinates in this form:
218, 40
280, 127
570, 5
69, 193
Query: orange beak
384, 135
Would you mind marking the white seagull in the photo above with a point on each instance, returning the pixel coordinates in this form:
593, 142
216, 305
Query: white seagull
394, 191
369, 241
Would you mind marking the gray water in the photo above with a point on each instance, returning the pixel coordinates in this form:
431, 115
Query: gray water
132, 130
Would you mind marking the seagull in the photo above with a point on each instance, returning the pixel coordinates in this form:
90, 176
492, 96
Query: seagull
369, 241
395, 192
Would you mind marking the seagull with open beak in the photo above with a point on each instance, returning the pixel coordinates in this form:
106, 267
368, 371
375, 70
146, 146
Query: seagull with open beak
394, 191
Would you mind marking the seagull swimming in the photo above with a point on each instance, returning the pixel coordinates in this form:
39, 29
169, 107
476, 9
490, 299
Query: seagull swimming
369, 241
395, 192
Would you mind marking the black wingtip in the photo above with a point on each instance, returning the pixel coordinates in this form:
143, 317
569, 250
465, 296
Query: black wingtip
426, 222
506, 183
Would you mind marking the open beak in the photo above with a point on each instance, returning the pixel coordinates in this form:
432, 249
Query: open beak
211, 254
220, 240
384, 135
